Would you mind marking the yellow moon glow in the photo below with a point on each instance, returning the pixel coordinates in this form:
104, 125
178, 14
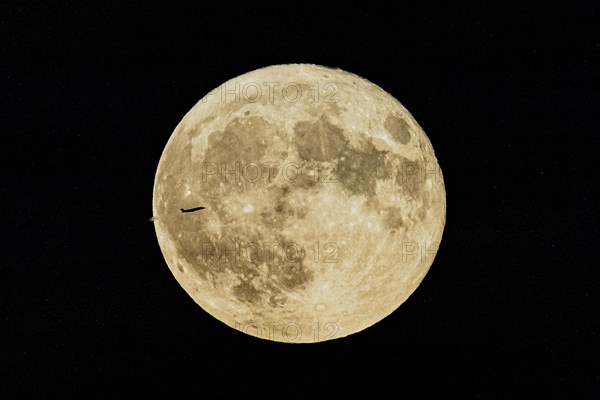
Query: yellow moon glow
324, 203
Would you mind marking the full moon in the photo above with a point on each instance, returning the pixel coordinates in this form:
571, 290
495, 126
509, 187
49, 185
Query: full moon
324, 203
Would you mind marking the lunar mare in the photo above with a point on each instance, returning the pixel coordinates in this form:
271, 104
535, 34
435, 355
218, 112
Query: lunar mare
324, 203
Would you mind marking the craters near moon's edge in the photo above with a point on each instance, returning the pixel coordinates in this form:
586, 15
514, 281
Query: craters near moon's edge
398, 128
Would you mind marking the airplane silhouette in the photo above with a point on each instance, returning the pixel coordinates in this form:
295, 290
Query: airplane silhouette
192, 209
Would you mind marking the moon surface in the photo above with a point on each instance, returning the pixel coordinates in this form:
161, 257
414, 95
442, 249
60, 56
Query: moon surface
324, 203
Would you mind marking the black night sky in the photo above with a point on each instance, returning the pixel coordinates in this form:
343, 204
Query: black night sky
507, 94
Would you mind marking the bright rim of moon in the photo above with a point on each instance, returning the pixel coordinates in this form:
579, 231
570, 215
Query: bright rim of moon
324, 203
